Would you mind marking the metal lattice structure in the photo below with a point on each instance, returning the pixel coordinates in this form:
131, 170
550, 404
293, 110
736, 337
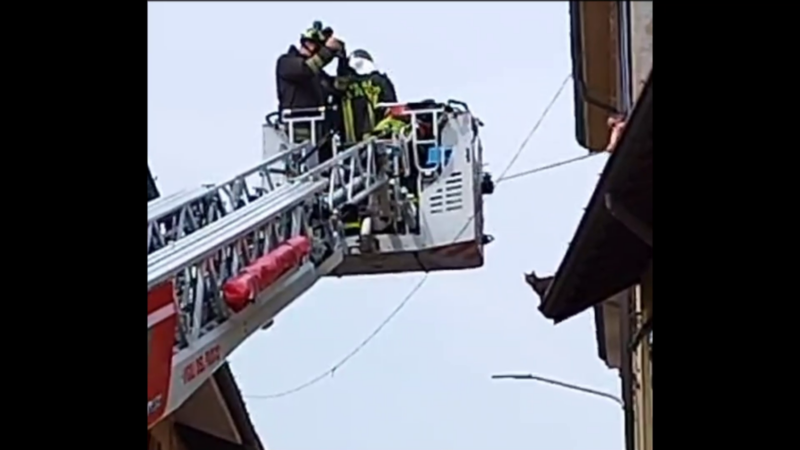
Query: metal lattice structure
210, 249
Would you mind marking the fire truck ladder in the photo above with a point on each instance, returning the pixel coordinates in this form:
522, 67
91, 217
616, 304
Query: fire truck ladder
199, 240
175, 216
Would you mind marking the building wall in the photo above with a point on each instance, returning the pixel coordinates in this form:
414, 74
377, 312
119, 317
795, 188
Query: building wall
642, 366
599, 68
206, 410
163, 436
641, 29
207, 417
617, 61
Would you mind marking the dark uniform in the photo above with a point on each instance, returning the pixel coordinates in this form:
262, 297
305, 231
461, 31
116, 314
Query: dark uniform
361, 91
301, 83
360, 96
385, 93
381, 80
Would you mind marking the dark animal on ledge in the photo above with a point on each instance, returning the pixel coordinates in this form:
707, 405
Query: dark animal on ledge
539, 285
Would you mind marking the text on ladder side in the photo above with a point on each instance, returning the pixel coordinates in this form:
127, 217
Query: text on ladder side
201, 363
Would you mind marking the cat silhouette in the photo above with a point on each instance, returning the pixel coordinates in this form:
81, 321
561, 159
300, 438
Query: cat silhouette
539, 285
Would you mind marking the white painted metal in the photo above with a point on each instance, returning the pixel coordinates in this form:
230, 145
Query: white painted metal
175, 216
200, 238
447, 201
449, 194
224, 339
202, 261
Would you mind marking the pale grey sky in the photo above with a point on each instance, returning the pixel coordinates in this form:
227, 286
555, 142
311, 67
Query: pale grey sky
423, 383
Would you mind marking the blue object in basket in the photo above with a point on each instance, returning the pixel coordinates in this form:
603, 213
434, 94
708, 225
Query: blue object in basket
435, 157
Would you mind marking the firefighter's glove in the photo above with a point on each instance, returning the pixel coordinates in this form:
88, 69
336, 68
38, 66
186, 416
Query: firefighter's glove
340, 83
334, 45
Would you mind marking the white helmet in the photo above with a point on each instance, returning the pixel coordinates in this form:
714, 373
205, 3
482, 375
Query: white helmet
361, 62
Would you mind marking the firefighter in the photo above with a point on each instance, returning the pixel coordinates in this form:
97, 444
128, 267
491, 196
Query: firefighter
301, 82
381, 87
362, 87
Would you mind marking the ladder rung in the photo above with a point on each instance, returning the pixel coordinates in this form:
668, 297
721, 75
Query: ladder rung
166, 262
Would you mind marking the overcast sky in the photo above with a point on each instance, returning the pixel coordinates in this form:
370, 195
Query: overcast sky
423, 383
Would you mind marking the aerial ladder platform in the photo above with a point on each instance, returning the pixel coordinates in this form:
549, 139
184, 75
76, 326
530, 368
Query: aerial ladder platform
224, 260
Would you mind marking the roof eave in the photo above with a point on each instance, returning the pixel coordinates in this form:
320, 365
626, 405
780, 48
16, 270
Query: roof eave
595, 70
238, 410
556, 305
576, 50
600, 332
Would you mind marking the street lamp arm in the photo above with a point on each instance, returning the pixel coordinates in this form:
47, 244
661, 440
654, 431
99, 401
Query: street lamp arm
562, 384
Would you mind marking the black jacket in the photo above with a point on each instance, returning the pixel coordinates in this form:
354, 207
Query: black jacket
300, 81
382, 80
387, 93
358, 95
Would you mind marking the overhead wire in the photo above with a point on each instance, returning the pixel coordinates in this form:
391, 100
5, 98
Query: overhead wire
534, 129
525, 173
503, 177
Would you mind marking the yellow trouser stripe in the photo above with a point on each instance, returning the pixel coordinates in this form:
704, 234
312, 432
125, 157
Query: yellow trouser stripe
371, 114
349, 122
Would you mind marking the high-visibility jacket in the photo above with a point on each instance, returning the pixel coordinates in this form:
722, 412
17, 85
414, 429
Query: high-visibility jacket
390, 125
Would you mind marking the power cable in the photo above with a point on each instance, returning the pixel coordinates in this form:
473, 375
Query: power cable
344, 360
525, 173
421, 282
535, 128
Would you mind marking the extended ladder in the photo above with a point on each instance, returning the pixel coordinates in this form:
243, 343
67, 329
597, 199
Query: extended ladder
224, 260
200, 241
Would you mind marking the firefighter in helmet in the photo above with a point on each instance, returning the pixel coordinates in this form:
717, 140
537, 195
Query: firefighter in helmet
302, 83
362, 87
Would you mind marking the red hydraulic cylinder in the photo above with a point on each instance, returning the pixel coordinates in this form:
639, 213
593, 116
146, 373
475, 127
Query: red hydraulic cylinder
242, 289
